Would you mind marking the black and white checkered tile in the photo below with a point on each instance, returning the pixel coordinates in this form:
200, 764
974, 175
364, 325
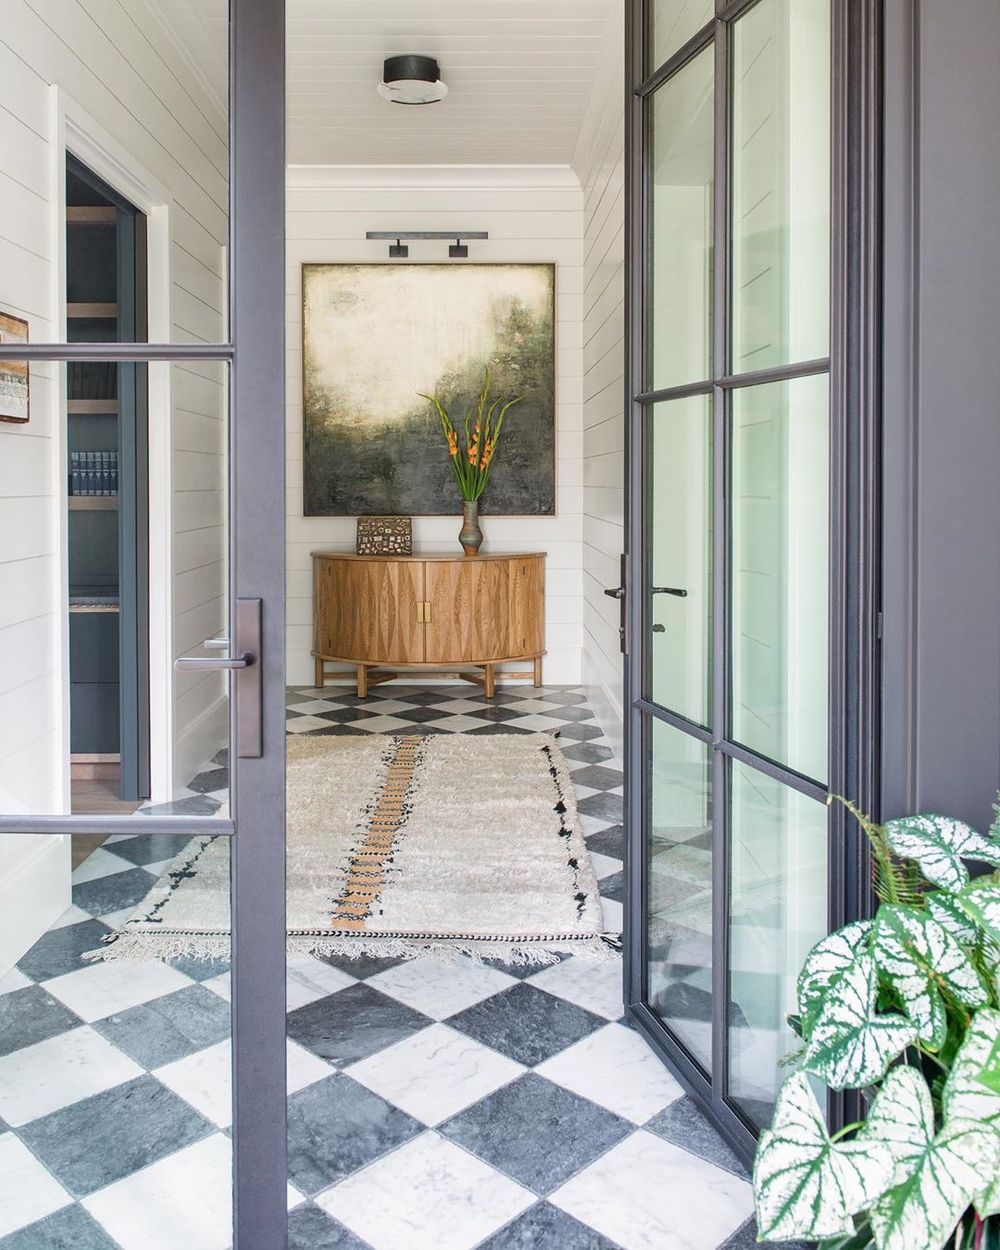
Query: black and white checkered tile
430, 1105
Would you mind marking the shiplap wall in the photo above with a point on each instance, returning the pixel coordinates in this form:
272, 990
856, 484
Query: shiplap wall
107, 57
600, 164
532, 213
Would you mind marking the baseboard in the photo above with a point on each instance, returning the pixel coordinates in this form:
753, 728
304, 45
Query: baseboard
33, 893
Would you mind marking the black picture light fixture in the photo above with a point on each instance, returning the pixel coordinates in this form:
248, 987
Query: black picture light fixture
411, 80
399, 251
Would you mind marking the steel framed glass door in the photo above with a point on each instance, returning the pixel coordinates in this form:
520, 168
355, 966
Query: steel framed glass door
739, 460
209, 174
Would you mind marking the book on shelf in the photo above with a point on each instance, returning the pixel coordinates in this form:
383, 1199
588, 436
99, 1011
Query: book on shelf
93, 473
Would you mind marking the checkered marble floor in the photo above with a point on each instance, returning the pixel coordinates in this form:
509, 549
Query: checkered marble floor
430, 1105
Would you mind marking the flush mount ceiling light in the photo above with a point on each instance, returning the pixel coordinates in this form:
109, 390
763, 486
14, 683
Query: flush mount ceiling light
411, 80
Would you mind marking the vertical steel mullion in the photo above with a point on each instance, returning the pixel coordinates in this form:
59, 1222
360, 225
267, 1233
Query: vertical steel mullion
721, 338
257, 554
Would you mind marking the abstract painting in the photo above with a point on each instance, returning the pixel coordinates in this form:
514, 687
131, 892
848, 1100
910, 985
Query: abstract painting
14, 381
376, 335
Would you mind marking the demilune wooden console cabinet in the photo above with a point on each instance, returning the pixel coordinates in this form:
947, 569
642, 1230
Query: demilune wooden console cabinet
385, 613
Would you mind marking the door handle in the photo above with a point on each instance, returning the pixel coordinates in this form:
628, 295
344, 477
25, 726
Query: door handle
667, 590
247, 686
615, 592
203, 663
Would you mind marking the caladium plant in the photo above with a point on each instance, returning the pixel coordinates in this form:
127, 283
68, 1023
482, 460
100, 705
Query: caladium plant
904, 1007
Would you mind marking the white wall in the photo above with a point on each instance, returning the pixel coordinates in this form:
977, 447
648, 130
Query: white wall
145, 111
600, 164
532, 213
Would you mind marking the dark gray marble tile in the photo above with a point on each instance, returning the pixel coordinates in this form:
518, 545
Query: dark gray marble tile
526, 1024
336, 1126
582, 732
545, 1227
310, 1228
341, 715
587, 752
745, 1238
211, 780
30, 1015
522, 971
684, 1125
69, 1229
499, 729
494, 715
192, 805
114, 892
571, 714
604, 806
613, 886
362, 966
352, 1024
61, 950
97, 1141
153, 849
565, 698
170, 1027
517, 1128
610, 841
598, 777
200, 969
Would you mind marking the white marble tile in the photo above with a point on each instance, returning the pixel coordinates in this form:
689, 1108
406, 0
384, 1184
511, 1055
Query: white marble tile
116, 919
303, 724
456, 724
381, 724
72, 915
613, 913
646, 1194
114, 985
435, 1074
311, 706
219, 985
428, 1193
38, 1079
204, 1079
27, 1191
583, 792
309, 979
594, 824
459, 707
615, 1068
183, 1202
535, 722
440, 988
14, 980
100, 863
604, 865
595, 985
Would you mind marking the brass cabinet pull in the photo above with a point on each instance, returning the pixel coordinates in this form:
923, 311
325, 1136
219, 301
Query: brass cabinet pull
427, 613
423, 612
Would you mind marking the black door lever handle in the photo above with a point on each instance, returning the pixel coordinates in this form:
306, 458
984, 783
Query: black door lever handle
665, 590
615, 592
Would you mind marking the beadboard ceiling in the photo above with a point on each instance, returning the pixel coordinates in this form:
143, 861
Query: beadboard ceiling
519, 74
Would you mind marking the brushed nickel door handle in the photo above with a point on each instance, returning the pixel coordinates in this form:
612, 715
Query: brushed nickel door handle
202, 663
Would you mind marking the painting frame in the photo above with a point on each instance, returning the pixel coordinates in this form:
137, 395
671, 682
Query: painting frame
548, 395
14, 373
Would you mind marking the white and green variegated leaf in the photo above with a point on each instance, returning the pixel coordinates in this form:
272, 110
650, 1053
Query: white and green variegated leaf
965, 1096
851, 1045
902, 1116
987, 1200
825, 965
951, 916
918, 956
982, 903
939, 844
804, 1184
922, 1211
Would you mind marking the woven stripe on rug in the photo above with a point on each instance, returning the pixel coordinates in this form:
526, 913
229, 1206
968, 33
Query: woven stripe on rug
399, 846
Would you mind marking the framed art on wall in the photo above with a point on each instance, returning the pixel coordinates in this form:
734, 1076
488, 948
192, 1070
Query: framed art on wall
14, 377
377, 335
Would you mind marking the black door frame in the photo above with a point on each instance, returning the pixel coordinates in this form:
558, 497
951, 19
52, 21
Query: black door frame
854, 367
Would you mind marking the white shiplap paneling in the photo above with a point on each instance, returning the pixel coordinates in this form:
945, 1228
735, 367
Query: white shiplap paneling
532, 214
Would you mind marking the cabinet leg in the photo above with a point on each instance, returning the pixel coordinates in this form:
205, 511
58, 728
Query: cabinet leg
362, 682
538, 670
319, 674
491, 684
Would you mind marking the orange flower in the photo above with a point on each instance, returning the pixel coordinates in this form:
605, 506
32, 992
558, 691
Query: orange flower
452, 445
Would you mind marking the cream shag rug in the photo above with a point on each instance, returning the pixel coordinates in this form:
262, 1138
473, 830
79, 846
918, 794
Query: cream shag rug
399, 846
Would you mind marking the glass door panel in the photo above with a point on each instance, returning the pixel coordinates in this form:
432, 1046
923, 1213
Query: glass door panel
781, 184
778, 892
679, 875
681, 556
672, 24
779, 560
682, 195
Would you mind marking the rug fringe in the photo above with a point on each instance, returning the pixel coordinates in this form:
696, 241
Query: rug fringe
164, 947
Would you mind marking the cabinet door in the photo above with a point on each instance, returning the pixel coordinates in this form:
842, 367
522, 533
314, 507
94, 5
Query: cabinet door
481, 610
367, 610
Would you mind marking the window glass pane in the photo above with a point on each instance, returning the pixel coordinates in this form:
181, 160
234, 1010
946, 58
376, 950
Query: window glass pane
681, 213
780, 543
680, 888
681, 556
781, 183
114, 1072
113, 563
779, 909
672, 24
141, 199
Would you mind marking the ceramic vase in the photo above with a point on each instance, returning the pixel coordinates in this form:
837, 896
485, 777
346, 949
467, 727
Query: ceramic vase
470, 535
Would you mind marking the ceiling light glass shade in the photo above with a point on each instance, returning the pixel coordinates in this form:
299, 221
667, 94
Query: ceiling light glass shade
411, 80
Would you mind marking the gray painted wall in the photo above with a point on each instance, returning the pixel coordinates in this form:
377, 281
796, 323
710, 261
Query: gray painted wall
941, 649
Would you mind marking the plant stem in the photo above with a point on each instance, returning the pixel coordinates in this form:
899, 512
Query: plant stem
848, 1128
